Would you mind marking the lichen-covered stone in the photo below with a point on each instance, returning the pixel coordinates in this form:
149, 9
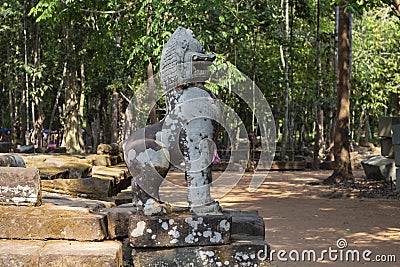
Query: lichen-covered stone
51, 222
180, 230
20, 186
249, 253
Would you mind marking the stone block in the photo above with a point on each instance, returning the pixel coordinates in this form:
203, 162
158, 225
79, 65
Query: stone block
51, 172
246, 223
11, 160
59, 253
72, 254
183, 229
385, 125
100, 160
120, 175
387, 147
246, 253
51, 222
396, 134
25, 149
90, 187
20, 186
118, 221
379, 168
20, 253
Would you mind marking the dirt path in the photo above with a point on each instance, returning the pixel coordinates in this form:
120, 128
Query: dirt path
302, 217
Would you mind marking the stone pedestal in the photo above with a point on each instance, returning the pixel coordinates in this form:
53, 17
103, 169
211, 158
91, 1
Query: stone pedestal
235, 238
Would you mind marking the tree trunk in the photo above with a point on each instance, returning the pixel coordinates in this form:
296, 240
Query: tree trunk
317, 107
343, 169
114, 120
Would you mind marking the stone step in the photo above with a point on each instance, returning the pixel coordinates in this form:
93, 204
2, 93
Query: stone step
60, 253
20, 186
90, 187
239, 253
51, 222
181, 229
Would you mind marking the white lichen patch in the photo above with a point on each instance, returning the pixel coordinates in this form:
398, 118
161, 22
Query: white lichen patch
215, 237
224, 224
194, 224
189, 239
175, 234
164, 225
151, 207
149, 230
153, 237
139, 230
171, 221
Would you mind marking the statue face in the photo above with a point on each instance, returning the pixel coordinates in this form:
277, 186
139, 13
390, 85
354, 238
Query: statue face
183, 60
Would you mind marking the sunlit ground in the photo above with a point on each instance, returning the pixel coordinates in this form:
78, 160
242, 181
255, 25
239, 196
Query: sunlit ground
301, 216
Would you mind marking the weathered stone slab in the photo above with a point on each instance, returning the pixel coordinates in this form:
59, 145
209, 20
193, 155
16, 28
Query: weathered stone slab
71, 254
11, 160
120, 176
385, 125
59, 253
124, 197
247, 253
51, 172
387, 147
181, 230
379, 168
20, 253
246, 223
51, 222
20, 186
100, 160
90, 187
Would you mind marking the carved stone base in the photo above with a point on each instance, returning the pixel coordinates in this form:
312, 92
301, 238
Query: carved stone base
181, 229
239, 253
241, 244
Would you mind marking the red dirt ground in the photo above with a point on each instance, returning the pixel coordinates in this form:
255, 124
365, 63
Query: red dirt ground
303, 217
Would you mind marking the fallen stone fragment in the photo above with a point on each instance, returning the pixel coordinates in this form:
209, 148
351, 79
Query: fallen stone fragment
11, 160
247, 223
20, 186
379, 168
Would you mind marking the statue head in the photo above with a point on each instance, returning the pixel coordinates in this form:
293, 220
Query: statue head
183, 60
